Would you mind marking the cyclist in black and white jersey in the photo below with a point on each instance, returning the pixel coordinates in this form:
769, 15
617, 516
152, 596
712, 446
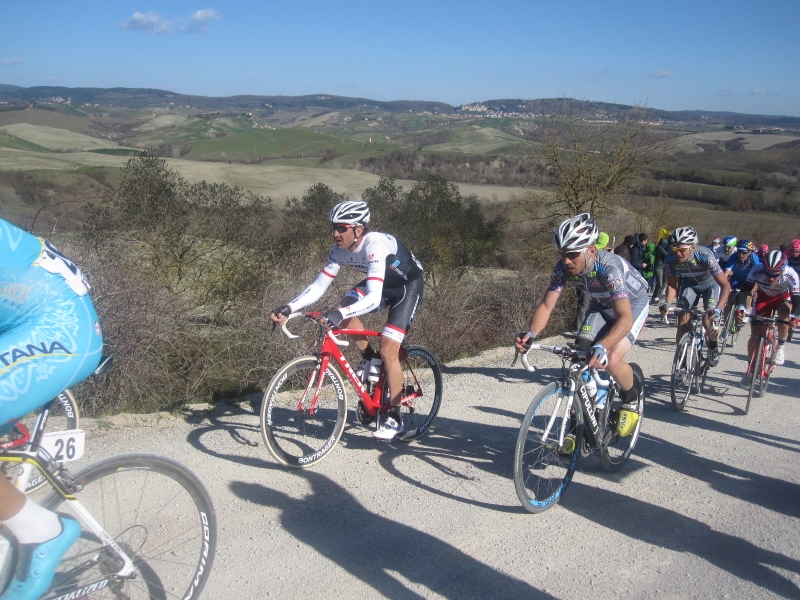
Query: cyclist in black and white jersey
393, 278
618, 309
693, 273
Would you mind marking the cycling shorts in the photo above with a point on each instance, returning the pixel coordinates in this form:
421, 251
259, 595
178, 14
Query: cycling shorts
690, 295
764, 305
601, 318
402, 300
48, 349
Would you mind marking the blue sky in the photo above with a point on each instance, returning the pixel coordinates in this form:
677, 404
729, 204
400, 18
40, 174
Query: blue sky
733, 55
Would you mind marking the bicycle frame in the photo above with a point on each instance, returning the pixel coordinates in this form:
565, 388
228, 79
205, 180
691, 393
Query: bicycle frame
766, 329
571, 380
373, 400
66, 486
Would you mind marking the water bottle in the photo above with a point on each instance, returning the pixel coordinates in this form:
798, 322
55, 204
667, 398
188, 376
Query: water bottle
602, 396
374, 369
590, 384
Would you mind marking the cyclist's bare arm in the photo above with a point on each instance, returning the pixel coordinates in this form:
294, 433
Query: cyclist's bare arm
724, 289
672, 289
540, 317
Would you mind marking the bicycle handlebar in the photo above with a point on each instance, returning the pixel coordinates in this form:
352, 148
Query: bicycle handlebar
291, 336
564, 351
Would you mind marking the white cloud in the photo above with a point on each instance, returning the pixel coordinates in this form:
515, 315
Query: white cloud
662, 74
149, 21
10, 61
760, 92
152, 22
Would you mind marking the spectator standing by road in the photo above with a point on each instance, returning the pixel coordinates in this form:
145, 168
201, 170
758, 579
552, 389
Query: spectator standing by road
661, 252
649, 260
624, 249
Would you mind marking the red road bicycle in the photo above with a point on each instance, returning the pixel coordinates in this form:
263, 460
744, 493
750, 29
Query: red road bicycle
760, 365
305, 405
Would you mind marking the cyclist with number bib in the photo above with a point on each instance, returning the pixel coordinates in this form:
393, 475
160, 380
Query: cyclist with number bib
393, 279
778, 290
50, 339
700, 276
618, 309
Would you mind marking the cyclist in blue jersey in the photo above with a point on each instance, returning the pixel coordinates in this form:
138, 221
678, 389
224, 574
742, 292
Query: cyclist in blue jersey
693, 273
738, 268
50, 339
618, 309
393, 279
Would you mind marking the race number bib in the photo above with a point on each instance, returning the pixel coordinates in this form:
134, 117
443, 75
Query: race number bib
64, 446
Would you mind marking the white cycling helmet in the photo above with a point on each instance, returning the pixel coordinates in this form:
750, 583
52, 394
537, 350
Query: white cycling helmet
684, 236
350, 212
576, 233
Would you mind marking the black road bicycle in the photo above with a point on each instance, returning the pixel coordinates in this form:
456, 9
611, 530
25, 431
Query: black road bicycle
565, 421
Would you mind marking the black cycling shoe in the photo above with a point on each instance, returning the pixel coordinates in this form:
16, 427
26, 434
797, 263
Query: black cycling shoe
713, 357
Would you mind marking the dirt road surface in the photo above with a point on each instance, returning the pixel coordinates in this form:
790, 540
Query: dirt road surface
708, 506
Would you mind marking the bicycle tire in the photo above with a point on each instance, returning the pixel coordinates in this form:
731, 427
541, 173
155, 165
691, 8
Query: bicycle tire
733, 334
158, 511
683, 361
616, 449
756, 371
294, 436
422, 381
64, 416
722, 340
769, 352
541, 472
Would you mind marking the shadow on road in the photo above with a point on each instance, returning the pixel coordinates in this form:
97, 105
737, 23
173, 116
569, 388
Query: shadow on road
382, 552
668, 529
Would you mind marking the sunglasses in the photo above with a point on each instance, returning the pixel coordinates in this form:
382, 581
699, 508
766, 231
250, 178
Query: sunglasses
572, 256
743, 251
681, 249
772, 274
341, 228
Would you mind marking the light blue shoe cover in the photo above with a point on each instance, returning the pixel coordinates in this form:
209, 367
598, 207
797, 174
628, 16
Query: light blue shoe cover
36, 564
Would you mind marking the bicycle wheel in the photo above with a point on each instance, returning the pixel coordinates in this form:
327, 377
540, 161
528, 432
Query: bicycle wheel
297, 433
422, 391
63, 416
733, 333
683, 372
756, 369
725, 337
542, 470
158, 512
769, 352
616, 449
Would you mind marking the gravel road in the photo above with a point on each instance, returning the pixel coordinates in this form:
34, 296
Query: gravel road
708, 506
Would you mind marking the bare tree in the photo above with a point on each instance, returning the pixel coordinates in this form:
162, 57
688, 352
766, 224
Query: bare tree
593, 162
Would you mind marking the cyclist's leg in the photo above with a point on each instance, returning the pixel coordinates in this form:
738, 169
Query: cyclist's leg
621, 370
687, 298
784, 310
403, 302
710, 297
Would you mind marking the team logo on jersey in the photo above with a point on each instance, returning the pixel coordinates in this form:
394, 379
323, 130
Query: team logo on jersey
395, 266
594, 282
32, 352
14, 292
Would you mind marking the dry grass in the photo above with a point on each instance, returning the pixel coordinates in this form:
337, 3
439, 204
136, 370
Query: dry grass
54, 138
275, 181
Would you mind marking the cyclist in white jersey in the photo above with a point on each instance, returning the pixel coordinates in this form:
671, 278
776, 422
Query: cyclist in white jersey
393, 279
778, 291
619, 305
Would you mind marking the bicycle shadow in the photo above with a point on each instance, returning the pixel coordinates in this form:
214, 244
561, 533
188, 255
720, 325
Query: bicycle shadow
666, 528
227, 418
332, 522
